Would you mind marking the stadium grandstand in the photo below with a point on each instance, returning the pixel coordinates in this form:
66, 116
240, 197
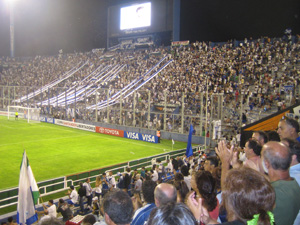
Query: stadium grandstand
237, 101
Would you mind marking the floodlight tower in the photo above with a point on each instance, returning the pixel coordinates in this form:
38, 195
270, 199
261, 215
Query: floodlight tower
12, 28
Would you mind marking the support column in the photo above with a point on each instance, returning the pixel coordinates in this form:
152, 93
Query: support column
134, 104
121, 107
165, 110
182, 112
201, 113
149, 99
107, 108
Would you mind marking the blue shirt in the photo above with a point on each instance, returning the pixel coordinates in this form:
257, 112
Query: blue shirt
142, 214
295, 172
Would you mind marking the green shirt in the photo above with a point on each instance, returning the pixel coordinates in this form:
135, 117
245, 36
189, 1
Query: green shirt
287, 201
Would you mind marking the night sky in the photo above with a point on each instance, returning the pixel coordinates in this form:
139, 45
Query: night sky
42, 27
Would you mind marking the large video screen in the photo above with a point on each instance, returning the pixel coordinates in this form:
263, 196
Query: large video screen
140, 17
135, 16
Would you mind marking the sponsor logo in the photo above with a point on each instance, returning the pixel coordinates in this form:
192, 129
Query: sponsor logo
110, 131
86, 127
148, 138
133, 135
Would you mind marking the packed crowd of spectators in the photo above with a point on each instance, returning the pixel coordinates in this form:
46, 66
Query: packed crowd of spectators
255, 185
253, 73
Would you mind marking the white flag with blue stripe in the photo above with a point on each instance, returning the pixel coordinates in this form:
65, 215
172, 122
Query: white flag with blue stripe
27, 191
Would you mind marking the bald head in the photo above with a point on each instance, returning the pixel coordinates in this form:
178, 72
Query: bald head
165, 193
277, 155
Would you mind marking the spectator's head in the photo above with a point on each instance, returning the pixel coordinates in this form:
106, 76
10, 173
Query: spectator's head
72, 187
178, 177
87, 180
148, 188
211, 163
252, 148
118, 207
52, 221
184, 170
273, 136
260, 136
10, 219
182, 190
288, 128
165, 193
246, 193
61, 201
205, 186
128, 169
294, 148
50, 202
172, 213
276, 158
88, 220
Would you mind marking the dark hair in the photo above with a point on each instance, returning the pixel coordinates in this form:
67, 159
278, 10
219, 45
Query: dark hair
178, 177
89, 219
170, 214
213, 160
294, 147
277, 161
128, 169
72, 187
291, 122
10, 219
51, 201
255, 146
148, 188
206, 186
61, 201
245, 193
273, 136
217, 176
182, 189
262, 135
118, 206
184, 170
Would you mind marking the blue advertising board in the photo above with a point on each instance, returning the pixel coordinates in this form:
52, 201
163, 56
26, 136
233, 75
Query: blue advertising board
141, 137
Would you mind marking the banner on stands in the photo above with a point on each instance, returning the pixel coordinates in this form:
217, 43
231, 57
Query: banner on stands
178, 43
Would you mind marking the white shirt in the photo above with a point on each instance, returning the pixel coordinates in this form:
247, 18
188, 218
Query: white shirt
170, 166
111, 182
154, 176
187, 180
74, 196
52, 211
88, 188
138, 185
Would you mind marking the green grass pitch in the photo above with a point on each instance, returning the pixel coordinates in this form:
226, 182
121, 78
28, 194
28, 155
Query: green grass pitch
55, 151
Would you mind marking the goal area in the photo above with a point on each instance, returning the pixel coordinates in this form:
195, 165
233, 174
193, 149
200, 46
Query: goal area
32, 115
